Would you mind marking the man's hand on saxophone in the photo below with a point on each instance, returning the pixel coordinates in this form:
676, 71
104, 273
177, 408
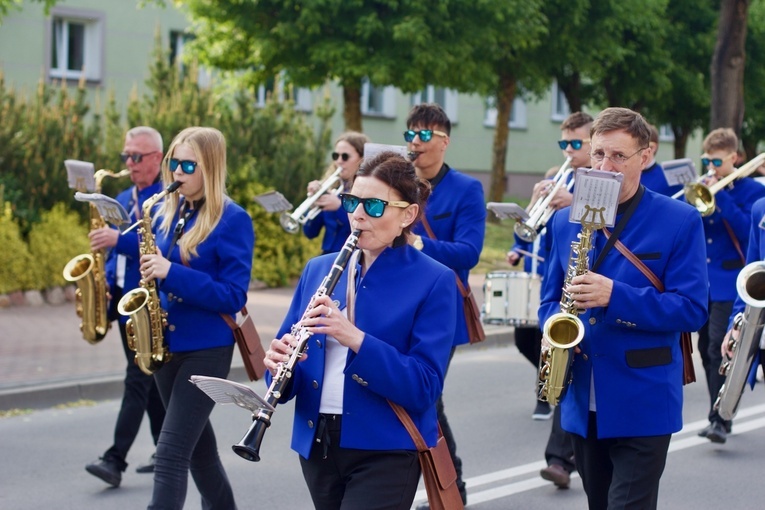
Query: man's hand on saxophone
102, 238
591, 290
154, 266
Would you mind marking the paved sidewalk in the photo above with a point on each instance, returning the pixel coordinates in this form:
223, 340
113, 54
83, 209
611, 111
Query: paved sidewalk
44, 361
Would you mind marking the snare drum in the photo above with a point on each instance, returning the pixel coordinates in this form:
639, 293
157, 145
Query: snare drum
512, 298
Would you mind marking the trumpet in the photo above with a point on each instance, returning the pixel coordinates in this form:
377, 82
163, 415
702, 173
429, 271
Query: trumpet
540, 210
699, 180
307, 210
702, 197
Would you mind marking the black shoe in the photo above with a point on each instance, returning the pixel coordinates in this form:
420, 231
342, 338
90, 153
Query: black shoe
717, 433
148, 467
426, 505
705, 431
543, 411
556, 474
107, 470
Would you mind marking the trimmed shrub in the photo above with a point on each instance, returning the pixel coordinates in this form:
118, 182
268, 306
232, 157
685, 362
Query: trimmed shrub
17, 268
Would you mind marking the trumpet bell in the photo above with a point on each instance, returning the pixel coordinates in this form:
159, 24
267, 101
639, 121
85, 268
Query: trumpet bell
525, 232
700, 197
289, 224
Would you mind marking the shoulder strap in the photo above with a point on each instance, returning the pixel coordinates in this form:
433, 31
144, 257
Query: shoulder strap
429, 230
410, 427
637, 262
619, 227
734, 240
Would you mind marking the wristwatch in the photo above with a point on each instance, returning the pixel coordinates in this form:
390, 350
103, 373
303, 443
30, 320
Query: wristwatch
417, 242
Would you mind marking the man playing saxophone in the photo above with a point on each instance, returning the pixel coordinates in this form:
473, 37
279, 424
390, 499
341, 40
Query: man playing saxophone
625, 397
142, 154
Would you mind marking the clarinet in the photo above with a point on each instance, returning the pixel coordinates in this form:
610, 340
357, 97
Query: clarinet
249, 447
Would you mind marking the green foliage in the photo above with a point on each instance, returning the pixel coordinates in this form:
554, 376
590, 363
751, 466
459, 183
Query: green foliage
55, 240
16, 264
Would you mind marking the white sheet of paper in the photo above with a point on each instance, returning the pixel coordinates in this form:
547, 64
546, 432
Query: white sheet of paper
80, 175
679, 171
273, 201
504, 210
373, 149
596, 189
223, 391
111, 211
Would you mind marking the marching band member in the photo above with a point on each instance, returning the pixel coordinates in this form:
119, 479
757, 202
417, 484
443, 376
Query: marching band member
354, 451
625, 398
349, 150
653, 174
206, 243
727, 234
456, 214
142, 154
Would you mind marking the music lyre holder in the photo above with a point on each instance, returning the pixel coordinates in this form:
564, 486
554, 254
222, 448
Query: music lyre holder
223, 391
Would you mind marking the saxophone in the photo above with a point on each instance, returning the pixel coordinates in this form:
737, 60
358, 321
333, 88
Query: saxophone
147, 320
249, 447
564, 330
88, 273
750, 286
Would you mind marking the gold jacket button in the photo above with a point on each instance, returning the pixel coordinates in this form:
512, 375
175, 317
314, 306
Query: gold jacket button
593, 320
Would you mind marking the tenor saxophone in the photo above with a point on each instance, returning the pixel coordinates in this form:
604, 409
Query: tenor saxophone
87, 272
249, 447
564, 330
147, 320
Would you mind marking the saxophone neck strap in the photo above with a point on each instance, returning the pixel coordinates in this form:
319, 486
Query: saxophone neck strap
613, 238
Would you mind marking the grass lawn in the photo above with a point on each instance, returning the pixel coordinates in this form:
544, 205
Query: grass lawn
498, 240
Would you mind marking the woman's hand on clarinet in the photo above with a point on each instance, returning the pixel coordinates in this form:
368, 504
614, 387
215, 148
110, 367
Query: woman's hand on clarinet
280, 351
154, 266
326, 318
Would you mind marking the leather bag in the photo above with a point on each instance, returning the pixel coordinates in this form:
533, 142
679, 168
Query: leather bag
438, 471
248, 340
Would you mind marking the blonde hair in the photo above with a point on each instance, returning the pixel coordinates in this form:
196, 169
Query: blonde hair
209, 147
721, 139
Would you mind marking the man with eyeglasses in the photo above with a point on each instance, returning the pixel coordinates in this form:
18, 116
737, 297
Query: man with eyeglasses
727, 234
142, 153
455, 213
646, 284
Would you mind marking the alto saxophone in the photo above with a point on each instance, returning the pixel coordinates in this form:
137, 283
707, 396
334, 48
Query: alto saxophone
249, 447
564, 330
147, 320
87, 271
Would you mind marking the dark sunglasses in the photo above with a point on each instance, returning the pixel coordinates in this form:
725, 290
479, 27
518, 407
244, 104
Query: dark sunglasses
715, 161
575, 144
374, 207
424, 134
187, 166
136, 156
342, 155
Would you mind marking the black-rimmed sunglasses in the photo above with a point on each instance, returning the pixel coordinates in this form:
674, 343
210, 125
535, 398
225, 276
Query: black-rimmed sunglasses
187, 166
374, 207
342, 155
137, 157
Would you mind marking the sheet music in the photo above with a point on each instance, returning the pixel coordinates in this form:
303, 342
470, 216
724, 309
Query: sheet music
679, 171
373, 149
504, 210
223, 391
80, 175
273, 201
596, 189
111, 211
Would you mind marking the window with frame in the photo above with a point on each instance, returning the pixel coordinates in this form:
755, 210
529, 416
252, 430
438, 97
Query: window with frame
446, 98
178, 41
300, 96
560, 108
377, 101
518, 114
666, 134
76, 42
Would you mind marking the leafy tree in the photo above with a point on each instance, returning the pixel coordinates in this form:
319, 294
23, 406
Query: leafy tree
753, 128
6, 6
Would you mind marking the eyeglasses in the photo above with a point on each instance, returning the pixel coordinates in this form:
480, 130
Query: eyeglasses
187, 166
715, 161
617, 159
137, 157
424, 134
374, 207
575, 144
342, 155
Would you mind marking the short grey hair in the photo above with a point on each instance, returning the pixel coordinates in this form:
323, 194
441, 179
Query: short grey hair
148, 132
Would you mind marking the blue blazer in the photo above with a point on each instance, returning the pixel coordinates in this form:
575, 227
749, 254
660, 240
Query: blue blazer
734, 205
756, 248
337, 228
456, 211
127, 244
528, 262
214, 282
632, 346
406, 306
653, 178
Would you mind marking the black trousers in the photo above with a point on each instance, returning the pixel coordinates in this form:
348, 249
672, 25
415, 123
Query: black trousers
350, 479
620, 473
559, 449
446, 430
711, 336
140, 395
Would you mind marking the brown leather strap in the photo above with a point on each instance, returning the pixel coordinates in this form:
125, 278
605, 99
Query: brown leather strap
637, 263
410, 427
231, 322
734, 240
429, 230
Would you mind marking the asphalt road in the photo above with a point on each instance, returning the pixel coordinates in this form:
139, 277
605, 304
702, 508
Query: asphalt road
489, 398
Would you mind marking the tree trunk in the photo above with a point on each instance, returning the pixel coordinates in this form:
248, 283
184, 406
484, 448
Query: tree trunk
505, 97
727, 69
681, 140
572, 89
352, 107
